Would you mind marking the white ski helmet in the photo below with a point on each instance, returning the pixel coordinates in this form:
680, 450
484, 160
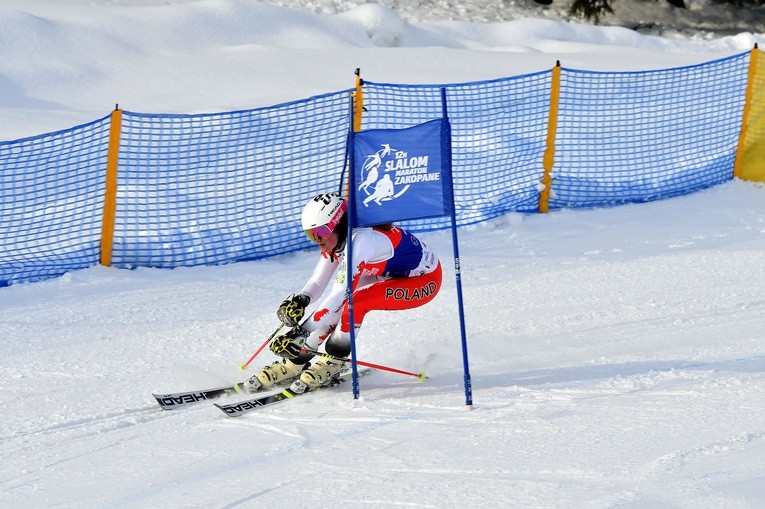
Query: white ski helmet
323, 210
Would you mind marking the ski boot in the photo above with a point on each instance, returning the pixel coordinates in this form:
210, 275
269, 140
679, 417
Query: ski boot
320, 373
277, 372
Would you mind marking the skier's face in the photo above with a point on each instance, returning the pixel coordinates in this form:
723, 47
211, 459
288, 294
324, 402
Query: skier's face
329, 243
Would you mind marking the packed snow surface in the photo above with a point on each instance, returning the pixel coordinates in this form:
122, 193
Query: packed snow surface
617, 355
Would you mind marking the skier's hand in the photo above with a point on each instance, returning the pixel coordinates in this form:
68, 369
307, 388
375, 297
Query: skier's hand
292, 309
289, 345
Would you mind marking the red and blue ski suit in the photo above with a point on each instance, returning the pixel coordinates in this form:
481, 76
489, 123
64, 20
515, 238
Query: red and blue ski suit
392, 270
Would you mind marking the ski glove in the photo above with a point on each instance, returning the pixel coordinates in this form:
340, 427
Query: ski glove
292, 309
289, 345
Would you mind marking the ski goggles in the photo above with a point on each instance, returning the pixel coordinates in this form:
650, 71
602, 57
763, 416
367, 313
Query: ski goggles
319, 233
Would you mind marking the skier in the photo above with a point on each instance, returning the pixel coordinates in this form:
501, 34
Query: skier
392, 270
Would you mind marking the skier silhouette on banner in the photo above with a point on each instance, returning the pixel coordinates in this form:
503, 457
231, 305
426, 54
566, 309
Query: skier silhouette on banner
372, 166
383, 190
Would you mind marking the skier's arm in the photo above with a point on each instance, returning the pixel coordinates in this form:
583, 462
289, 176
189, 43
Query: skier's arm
320, 278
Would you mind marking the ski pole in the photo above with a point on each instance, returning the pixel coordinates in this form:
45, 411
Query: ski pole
242, 367
421, 376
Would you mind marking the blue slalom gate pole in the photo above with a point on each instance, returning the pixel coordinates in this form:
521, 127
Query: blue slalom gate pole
457, 270
351, 213
458, 278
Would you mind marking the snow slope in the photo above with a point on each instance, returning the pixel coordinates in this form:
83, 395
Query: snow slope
617, 355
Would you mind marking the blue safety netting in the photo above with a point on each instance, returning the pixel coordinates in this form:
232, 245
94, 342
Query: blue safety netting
51, 202
639, 136
499, 133
209, 189
218, 188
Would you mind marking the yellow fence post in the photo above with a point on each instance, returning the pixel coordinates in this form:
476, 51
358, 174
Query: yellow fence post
358, 102
750, 155
110, 195
552, 126
358, 109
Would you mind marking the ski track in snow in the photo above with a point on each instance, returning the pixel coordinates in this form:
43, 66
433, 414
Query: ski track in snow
597, 394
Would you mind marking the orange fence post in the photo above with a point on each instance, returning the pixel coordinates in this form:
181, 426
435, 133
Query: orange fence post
552, 125
110, 195
358, 102
750, 155
357, 109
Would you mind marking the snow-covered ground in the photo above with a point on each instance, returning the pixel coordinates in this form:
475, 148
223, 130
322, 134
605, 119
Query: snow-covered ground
617, 355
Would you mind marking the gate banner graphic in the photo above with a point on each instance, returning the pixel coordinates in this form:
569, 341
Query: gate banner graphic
402, 174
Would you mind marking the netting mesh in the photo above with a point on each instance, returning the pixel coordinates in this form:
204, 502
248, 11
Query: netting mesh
639, 136
218, 188
208, 189
51, 200
499, 131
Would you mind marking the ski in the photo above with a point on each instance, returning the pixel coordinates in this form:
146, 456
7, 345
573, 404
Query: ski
242, 407
183, 399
